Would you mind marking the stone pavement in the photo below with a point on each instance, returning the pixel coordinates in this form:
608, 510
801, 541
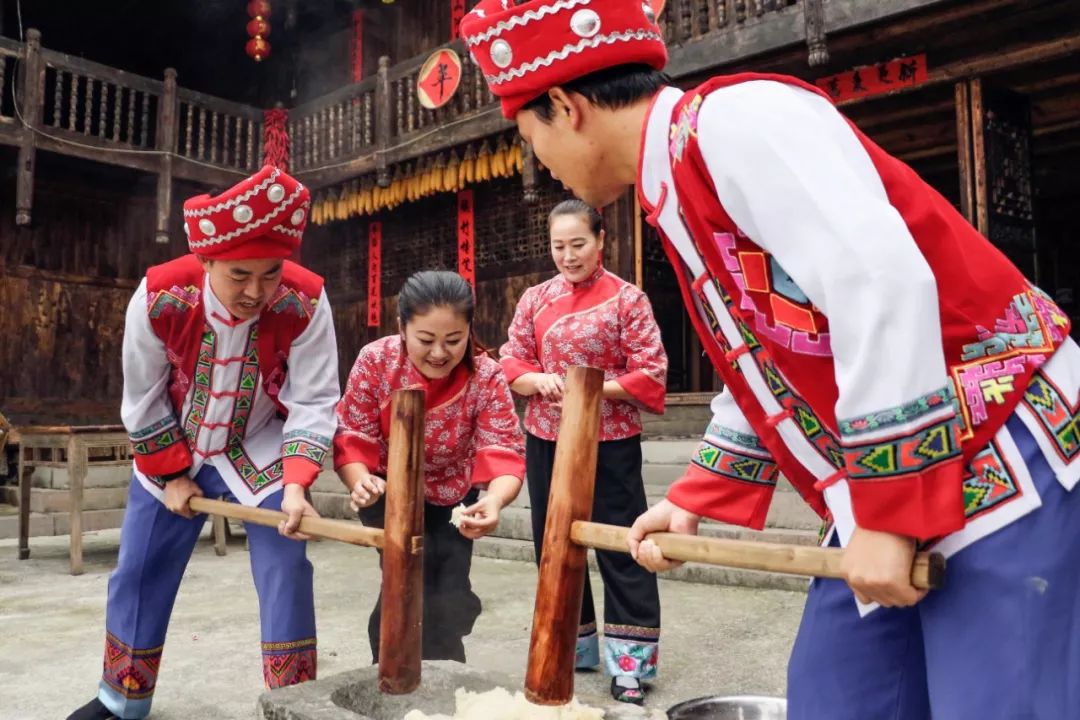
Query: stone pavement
716, 640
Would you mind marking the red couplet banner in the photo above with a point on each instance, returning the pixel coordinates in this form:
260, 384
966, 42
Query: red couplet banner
457, 12
466, 237
875, 79
374, 273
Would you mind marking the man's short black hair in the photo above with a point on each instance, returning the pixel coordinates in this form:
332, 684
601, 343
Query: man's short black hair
611, 88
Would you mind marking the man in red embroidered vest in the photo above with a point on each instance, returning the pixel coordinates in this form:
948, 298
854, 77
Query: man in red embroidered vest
230, 384
875, 350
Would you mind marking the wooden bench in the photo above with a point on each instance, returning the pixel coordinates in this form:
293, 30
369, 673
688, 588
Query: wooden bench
77, 449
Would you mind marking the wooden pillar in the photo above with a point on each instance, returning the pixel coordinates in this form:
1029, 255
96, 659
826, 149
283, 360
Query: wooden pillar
77, 467
167, 126
383, 121
550, 675
403, 547
31, 87
814, 15
965, 161
619, 236
530, 174
639, 246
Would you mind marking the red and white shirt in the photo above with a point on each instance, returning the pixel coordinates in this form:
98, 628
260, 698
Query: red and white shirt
471, 432
602, 322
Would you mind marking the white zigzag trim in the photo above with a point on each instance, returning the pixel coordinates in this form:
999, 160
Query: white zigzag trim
288, 231
250, 226
569, 50
523, 19
236, 200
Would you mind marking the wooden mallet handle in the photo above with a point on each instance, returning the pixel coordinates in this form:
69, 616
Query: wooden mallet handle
400, 627
927, 573
550, 676
341, 530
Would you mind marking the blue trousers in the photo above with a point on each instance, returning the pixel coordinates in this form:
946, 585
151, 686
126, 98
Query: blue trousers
1001, 641
155, 546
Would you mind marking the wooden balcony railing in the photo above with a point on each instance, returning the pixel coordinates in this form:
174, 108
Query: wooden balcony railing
72, 106
88, 110
375, 124
684, 20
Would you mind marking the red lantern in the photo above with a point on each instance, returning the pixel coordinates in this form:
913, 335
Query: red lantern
258, 8
258, 28
257, 48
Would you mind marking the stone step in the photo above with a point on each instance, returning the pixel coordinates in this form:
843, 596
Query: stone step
40, 525
48, 524
668, 452
522, 551
678, 421
47, 500
96, 477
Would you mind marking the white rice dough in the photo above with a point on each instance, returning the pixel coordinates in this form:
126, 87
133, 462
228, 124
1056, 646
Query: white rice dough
455, 517
498, 704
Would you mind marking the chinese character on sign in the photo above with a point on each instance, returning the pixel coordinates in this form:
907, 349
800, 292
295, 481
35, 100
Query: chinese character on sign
872, 80
374, 273
466, 240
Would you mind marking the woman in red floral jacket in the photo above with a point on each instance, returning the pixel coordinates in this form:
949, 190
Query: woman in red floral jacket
473, 441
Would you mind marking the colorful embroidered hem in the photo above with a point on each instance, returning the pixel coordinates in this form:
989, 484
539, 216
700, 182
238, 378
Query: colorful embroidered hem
1058, 418
130, 672
631, 651
587, 650
307, 445
289, 663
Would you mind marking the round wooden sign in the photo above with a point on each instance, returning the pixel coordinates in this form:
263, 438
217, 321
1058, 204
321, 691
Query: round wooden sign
439, 79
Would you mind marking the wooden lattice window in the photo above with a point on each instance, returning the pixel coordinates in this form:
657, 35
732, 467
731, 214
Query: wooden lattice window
512, 236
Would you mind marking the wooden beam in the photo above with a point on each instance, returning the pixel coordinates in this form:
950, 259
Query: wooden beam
383, 100
814, 15
1001, 60
31, 86
530, 174
167, 125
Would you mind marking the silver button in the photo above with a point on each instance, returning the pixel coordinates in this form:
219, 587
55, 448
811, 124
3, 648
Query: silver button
276, 193
585, 23
207, 227
650, 14
242, 214
297, 217
501, 54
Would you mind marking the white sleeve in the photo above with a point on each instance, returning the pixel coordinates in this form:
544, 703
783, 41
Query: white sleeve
794, 177
146, 409
310, 393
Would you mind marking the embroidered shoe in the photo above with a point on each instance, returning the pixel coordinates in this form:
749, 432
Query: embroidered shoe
93, 710
627, 689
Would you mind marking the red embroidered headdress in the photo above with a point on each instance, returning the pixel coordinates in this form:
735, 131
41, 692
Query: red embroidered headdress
528, 48
262, 217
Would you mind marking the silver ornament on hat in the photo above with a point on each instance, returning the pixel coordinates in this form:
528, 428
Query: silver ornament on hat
297, 217
585, 23
501, 54
650, 14
242, 214
276, 193
207, 226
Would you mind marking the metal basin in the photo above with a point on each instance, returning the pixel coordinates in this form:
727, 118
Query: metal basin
745, 707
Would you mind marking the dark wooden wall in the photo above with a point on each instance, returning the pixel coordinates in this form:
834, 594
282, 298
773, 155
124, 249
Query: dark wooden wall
64, 287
